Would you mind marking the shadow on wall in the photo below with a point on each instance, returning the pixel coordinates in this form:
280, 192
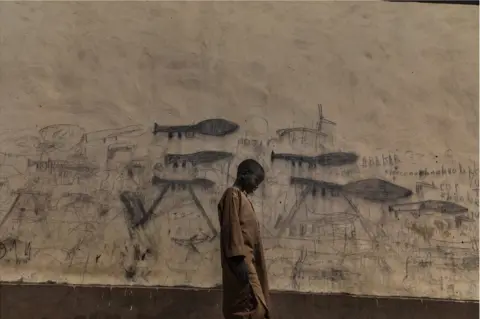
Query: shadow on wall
438, 1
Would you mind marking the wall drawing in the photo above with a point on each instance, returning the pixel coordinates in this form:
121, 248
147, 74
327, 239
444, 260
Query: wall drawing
317, 130
212, 127
142, 208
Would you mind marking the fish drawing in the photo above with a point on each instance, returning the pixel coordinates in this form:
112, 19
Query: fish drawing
210, 127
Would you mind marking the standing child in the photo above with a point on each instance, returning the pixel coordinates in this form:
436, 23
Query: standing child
244, 275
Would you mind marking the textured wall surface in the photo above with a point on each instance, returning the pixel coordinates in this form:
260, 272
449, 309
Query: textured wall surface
365, 116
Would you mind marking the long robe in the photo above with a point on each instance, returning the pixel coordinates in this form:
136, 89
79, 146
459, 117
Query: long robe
240, 236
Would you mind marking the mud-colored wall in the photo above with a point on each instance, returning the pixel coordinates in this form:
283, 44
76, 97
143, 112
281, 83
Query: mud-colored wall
364, 115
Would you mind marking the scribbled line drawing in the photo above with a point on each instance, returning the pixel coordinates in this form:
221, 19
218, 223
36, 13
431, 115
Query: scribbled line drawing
342, 218
327, 159
461, 259
284, 131
297, 269
210, 127
61, 136
193, 241
460, 219
113, 149
69, 199
202, 157
369, 189
469, 263
3, 250
428, 206
313, 186
137, 213
135, 167
79, 197
61, 165
29, 144
318, 130
373, 189
139, 216
421, 186
183, 184
39, 200
22, 251
114, 134
189, 185
310, 187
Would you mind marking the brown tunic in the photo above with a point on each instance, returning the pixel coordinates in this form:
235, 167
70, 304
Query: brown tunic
240, 236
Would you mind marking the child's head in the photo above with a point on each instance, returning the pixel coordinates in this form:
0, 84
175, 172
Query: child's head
250, 174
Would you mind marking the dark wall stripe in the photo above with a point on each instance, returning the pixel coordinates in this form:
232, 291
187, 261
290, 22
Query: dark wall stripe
66, 302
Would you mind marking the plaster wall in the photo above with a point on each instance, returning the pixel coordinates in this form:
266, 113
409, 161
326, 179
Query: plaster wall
364, 115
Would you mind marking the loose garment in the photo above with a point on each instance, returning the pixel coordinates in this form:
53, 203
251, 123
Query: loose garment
240, 236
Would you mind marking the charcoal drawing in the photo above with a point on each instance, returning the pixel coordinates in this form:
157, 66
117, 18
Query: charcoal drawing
21, 251
135, 167
284, 131
192, 242
377, 190
327, 159
114, 134
339, 227
138, 215
202, 211
73, 198
318, 130
80, 166
11, 209
183, 184
314, 186
3, 250
189, 185
135, 208
197, 158
283, 222
134, 205
210, 127
311, 186
370, 189
38, 202
344, 218
428, 206
297, 270
113, 149
62, 136
29, 144
460, 219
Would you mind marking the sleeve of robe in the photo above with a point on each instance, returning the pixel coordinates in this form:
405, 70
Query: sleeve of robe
232, 239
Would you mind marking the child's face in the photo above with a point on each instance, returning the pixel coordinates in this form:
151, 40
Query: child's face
252, 182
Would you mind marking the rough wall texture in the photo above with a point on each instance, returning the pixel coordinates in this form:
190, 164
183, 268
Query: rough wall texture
365, 116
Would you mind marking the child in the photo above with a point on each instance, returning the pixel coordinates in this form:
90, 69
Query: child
245, 282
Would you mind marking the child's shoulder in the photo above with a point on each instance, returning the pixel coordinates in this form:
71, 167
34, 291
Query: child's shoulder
232, 191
